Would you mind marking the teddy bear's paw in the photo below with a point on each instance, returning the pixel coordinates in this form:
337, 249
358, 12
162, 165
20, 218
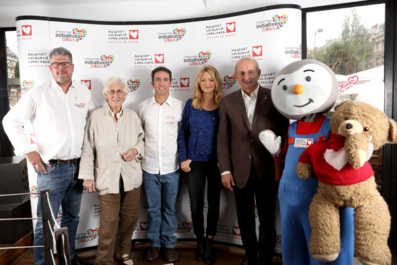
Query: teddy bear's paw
375, 256
326, 257
367, 262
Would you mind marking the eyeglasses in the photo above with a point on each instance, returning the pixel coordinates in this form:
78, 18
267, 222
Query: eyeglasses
64, 64
112, 92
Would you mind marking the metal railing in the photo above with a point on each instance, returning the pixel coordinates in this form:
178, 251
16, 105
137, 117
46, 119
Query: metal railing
57, 238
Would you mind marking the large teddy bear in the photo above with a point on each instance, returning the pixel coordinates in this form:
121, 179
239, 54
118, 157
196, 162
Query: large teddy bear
347, 179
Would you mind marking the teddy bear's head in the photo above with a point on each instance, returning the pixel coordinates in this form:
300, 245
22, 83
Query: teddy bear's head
362, 121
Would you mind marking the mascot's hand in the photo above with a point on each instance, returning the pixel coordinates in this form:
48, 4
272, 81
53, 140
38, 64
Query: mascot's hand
271, 142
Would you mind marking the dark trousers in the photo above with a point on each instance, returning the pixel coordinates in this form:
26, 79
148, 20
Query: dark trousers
264, 194
196, 178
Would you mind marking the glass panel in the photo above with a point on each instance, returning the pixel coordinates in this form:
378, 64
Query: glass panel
14, 89
351, 42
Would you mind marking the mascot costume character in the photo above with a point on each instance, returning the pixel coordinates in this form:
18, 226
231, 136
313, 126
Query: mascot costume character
304, 91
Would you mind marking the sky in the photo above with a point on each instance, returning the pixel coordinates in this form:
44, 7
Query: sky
11, 38
329, 21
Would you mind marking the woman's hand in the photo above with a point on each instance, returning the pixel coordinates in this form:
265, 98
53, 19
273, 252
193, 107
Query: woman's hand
129, 155
89, 185
185, 165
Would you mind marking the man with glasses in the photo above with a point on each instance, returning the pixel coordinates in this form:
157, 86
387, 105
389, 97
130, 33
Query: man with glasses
57, 111
161, 117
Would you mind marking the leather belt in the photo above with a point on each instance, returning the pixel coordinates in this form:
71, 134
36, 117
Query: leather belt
65, 162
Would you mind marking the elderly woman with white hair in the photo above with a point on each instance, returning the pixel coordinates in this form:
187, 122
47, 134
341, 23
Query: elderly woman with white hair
110, 165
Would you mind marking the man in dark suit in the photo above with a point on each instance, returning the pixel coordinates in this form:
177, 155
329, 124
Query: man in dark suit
246, 166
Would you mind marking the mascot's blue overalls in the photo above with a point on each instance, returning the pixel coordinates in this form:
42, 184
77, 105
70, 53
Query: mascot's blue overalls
295, 195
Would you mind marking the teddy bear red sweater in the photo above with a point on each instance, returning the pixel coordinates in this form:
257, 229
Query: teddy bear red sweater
330, 165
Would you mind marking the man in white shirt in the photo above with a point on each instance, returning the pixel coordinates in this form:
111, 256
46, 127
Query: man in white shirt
161, 117
247, 168
57, 111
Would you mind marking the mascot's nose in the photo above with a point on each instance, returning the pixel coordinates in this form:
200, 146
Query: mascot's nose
349, 126
298, 89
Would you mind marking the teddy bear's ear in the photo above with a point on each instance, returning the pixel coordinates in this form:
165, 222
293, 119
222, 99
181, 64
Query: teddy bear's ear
392, 137
337, 106
340, 104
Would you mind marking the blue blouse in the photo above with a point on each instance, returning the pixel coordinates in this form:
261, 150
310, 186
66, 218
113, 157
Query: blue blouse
198, 134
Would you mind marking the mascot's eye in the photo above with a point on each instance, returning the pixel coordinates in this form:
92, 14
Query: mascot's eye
308, 78
284, 87
366, 129
346, 118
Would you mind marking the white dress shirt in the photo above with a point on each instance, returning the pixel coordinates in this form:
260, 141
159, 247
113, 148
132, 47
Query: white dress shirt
58, 121
250, 103
161, 124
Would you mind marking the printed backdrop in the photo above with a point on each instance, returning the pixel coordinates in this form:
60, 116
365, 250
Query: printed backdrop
131, 50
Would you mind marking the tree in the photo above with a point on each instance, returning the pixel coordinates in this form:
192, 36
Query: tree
16, 70
352, 51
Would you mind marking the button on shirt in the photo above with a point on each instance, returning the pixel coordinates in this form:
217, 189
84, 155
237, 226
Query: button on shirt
57, 119
161, 124
250, 103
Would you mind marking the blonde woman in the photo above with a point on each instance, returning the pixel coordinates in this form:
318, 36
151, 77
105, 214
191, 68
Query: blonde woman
197, 153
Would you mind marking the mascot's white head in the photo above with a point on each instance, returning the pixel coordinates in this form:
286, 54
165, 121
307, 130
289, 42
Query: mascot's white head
304, 87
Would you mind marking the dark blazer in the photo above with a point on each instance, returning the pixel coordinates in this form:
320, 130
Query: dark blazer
238, 145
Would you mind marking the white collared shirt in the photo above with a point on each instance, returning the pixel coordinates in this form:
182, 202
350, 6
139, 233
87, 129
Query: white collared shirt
58, 121
250, 103
161, 124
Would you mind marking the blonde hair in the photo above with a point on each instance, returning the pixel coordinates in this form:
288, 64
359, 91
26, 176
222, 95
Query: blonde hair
198, 93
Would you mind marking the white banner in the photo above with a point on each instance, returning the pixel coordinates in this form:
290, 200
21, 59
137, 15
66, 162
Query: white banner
132, 50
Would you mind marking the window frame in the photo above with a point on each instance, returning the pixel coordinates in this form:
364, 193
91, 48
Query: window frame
5, 144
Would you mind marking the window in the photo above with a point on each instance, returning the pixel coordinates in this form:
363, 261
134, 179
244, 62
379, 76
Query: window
351, 42
14, 89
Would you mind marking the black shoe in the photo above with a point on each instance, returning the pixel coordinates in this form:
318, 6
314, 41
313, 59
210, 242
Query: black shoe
209, 251
170, 255
152, 254
78, 261
200, 249
248, 262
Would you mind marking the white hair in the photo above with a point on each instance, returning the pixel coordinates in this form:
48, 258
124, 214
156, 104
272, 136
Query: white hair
112, 80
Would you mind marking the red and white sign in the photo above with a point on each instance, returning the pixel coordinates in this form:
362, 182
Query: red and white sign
134, 34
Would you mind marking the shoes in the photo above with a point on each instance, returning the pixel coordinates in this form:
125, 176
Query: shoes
248, 262
209, 251
78, 261
152, 254
127, 260
170, 255
200, 249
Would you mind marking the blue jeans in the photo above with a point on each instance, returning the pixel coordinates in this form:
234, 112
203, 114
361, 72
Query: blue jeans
66, 190
161, 193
